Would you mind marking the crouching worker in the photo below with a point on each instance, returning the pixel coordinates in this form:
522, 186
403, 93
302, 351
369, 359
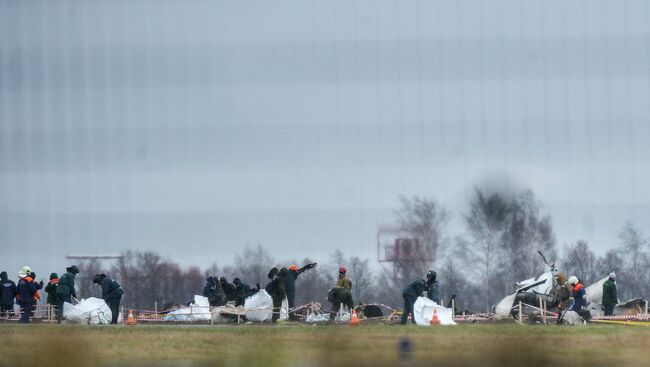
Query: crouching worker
578, 291
341, 294
27, 290
242, 291
410, 295
111, 293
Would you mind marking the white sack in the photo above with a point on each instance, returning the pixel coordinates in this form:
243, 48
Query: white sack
423, 312
284, 310
317, 318
259, 307
197, 311
92, 311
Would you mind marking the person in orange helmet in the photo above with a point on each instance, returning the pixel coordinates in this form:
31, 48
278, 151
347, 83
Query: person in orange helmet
290, 281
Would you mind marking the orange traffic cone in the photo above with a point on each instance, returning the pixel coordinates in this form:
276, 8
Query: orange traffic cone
131, 320
434, 319
354, 320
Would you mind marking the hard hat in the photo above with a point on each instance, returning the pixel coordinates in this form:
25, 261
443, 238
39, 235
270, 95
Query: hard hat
432, 274
343, 270
25, 271
573, 280
293, 267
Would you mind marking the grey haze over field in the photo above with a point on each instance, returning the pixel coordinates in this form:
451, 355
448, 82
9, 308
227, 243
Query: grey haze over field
196, 128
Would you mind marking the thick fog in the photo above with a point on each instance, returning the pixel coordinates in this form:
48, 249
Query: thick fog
195, 128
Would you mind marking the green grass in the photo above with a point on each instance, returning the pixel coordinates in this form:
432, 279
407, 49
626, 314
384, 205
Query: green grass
298, 345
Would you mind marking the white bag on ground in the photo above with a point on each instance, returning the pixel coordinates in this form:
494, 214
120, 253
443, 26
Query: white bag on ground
197, 311
92, 311
259, 307
423, 312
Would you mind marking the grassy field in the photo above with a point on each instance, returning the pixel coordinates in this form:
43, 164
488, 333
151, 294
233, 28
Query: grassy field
298, 345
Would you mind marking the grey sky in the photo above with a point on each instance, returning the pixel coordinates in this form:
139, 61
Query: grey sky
195, 128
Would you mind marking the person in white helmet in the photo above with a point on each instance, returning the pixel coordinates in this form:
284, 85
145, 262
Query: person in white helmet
578, 290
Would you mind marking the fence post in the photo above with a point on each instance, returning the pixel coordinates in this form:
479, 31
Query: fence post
453, 307
521, 311
646, 310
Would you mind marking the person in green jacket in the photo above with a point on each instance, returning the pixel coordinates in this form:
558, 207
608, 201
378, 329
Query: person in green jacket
610, 298
50, 289
65, 288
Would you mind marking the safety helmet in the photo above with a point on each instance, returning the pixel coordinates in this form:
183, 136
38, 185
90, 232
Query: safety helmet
573, 280
343, 270
293, 268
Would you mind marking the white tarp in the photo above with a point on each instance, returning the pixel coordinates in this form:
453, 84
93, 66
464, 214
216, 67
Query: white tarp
594, 293
423, 312
197, 311
259, 307
92, 311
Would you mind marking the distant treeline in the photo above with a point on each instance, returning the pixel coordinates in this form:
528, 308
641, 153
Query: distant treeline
499, 246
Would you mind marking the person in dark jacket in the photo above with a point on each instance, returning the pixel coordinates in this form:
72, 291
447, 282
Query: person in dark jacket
242, 291
111, 293
66, 288
50, 289
27, 289
8, 293
433, 287
228, 289
290, 285
276, 289
210, 290
610, 297
578, 291
410, 295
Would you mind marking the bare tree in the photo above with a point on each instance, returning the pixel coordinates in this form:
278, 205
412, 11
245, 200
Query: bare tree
479, 254
252, 265
362, 279
636, 261
526, 233
580, 261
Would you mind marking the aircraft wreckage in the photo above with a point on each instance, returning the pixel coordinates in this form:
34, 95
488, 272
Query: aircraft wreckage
546, 291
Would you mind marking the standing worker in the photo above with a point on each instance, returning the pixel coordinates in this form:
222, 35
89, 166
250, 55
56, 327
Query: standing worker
433, 287
7, 294
276, 289
410, 295
341, 294
291, 282
66, 290
111, 293
610, 297
27, 289
52, 298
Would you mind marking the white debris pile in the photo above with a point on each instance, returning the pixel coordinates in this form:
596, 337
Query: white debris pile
197, 311
259, 307
93, 311
423, 312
